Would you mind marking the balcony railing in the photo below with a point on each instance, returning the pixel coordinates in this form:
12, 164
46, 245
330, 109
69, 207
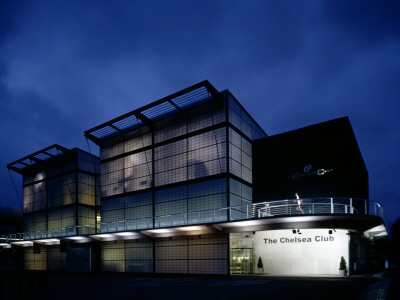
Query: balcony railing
310, 206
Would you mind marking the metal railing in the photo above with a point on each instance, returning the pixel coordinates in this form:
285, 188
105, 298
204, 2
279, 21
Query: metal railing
289, 207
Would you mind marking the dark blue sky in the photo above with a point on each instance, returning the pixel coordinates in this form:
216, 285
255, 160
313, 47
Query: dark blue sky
67, 66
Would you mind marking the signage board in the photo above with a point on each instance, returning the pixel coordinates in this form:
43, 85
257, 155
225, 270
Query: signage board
301, 252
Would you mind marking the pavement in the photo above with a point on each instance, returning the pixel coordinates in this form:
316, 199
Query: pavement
42, 285
379, 290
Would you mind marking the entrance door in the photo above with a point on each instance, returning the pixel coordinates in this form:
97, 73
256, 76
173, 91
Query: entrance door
241, 259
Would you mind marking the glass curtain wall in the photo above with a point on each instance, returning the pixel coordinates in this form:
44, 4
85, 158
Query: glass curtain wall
184, 147
35, 201
242, 131
50, 195
58, 193
188, 146
34, 192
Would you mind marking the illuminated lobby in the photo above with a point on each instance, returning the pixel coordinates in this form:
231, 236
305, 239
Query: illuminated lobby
191, 184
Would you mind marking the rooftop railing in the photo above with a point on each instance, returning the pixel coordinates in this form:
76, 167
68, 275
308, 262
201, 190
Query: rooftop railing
270, 209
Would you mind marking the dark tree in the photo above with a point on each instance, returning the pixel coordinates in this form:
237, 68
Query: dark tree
395, 244
10, 220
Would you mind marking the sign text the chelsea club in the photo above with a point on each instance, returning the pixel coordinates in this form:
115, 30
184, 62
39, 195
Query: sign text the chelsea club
293, 240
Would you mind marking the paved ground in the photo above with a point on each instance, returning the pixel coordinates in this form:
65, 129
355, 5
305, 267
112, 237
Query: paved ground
56, 286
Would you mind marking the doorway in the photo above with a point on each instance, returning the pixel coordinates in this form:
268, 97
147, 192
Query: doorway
241, 259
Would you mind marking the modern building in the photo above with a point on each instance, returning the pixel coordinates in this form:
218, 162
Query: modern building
192, 184
59, 199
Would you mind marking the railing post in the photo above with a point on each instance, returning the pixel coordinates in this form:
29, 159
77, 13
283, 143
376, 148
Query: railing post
365, 204
332, 209
351, 206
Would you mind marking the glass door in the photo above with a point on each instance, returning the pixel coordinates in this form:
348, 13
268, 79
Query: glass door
241, 259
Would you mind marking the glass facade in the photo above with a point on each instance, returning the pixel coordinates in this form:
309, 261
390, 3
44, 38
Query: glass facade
35, 261
174, 173
34, 192
127, 256
240, 158
241, 120
191, 161
194, 255
129, 161
174, 162
61, 192
187, 255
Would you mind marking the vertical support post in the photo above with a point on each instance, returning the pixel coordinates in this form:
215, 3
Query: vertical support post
76, 200
153, 183
365, 205
227, 154
332, 208
351, 206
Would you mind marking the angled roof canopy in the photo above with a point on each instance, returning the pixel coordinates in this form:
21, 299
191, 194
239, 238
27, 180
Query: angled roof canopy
38, 158
149, 114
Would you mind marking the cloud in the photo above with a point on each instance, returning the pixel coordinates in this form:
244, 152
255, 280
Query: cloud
67, 66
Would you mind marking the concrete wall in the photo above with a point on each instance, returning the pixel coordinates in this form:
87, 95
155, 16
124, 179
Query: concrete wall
312, 252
